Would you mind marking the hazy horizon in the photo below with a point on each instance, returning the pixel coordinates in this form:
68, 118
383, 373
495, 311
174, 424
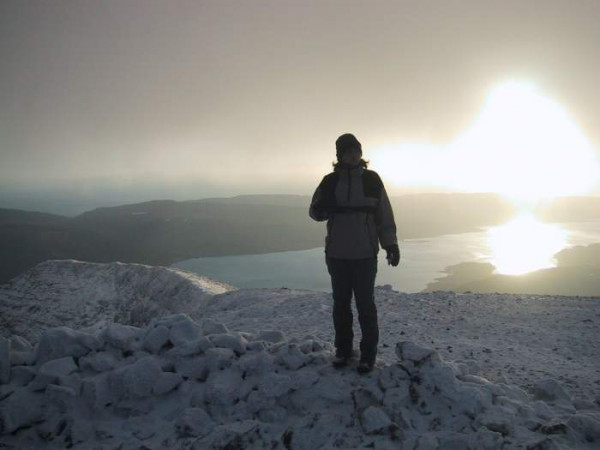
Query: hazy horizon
63, 200
128, 101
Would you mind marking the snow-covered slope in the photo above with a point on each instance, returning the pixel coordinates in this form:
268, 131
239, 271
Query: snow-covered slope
79, 294
250, 368
508, 338
182, 384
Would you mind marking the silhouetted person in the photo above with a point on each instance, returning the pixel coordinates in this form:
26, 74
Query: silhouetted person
359, 216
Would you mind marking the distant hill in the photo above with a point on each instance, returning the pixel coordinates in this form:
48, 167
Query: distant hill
163, 232
570, 209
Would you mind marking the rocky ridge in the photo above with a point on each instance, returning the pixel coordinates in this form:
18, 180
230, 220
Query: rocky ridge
186, 384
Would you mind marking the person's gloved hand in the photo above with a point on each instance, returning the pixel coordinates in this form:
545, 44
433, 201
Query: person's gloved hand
393, 254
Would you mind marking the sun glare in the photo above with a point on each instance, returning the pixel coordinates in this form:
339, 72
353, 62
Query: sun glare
522, 145
524, 245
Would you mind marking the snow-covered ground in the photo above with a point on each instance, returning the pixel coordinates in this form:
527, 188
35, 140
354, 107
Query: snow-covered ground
79, 294
250, 368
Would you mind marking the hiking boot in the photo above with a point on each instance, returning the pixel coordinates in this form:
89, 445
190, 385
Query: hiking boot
365, 366
341, 359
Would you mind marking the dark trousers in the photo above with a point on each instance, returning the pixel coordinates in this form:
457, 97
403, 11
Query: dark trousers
358, 276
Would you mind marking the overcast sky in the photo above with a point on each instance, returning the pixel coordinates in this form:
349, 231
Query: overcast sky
188, 99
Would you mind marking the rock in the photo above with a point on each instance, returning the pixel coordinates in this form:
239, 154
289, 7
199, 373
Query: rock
304, 378
429, 442
229, 340
41, 380
255, 346
550, 390
474, 379
166, 382
184, 330
195, 368
96, 391
73, 381
123, 337
542, 410
81, 430
6, 390
582, 403
274, 385
396, 398
375, 421
273, 336
273, 414
362, 399
60, 396
50, 428
22, 408
4, 360
392, 376
156, 338
588, 425
98, 361
544, 444
26, 358
219, 358
309, 346
235, 435
20, 344
21, 375
321, 430
194, 422
554, 426
470, 400
455, 441
460, 369
499, 419
488, 440
62, 341
195, 347
222, 388
211, 327
135, 380
412, 352
59, 367
256, 363
290, 357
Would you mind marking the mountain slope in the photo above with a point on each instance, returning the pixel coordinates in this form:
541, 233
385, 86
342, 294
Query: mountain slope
250, 368
79, 294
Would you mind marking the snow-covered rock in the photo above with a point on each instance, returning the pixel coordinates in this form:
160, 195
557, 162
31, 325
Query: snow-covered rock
550, 390
79, 294
62, 341
5, 346
228, 395
251, 369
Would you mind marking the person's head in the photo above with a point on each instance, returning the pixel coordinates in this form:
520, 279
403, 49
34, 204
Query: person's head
348, 151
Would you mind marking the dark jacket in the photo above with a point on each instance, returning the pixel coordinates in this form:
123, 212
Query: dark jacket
358, 213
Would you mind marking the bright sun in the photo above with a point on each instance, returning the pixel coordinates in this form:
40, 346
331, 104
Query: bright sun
522, 145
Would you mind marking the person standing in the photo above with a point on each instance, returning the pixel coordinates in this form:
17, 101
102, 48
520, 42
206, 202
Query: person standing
354, 202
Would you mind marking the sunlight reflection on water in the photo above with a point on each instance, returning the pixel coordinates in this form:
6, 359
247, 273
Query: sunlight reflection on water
525, 244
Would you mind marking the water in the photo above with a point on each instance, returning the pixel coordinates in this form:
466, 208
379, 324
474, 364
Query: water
422, 261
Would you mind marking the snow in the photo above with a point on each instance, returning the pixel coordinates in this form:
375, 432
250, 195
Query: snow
57, 292
216, 367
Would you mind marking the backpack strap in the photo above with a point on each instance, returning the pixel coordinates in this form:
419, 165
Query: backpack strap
372, 184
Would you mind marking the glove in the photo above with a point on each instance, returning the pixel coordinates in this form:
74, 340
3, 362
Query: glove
393, 254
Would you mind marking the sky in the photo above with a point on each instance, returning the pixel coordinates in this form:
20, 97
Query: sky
109, 102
